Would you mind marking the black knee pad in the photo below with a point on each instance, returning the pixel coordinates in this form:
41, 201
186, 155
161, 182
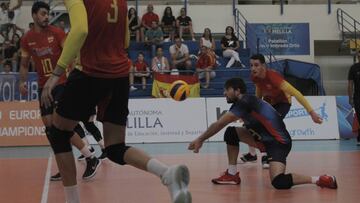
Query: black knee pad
283, 182
60, 140
79, 130
91, 128
231, 136
116, 153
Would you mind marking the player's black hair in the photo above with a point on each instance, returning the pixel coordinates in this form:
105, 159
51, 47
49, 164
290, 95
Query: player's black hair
236, 83
259, 57
38, 5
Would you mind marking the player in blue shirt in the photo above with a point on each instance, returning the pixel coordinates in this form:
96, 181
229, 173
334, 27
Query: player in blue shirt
263, 128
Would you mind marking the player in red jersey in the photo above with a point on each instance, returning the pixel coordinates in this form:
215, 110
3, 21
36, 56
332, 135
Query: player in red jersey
274, 89
44, 44
100, 34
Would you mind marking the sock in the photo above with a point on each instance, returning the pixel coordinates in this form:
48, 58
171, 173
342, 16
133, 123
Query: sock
263, 154
314, 179
72, 194
86, 152
252, 151
232, 170
156, 167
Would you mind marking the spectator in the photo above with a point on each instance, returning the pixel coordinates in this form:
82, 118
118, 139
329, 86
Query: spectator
7, 68
205, 65
159, 63
134, 24
147, 20
208, 41
140, 70
31, 26
62, 25
9, 52
154, 37
4, 21
354, 90
180, 56
168, 24
13, 14
15, 41
230, 44
184, 24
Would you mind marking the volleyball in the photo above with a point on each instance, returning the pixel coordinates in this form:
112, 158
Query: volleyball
179, 90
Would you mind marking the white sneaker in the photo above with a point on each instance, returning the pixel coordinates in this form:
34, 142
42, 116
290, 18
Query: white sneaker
177, 178
132, 88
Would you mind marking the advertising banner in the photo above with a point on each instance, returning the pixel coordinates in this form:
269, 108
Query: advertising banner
280, 38
21, 124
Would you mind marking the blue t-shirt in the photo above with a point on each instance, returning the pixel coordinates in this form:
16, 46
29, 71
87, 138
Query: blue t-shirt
262, 118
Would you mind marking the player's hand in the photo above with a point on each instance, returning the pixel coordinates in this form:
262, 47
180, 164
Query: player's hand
23, 88
195, 145
315, 117
46, 96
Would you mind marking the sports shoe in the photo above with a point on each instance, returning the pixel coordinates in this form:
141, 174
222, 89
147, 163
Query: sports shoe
265, 162
227, 179
55, 177
82, 157
248, 158
177, 178
327, 181
132, 88
103, 155
92, 164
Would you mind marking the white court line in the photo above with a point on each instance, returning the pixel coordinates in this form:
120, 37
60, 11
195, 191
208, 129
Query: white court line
45, 192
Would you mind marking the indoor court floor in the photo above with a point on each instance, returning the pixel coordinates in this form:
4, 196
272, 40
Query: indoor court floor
25, 172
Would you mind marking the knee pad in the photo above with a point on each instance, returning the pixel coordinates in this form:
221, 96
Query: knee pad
116, 153
231, 137
91, 128
80, 131
283, 182
60, 140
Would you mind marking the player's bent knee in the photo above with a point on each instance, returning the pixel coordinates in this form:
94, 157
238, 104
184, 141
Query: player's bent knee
283, 181
60, 140
231, 136
117, 152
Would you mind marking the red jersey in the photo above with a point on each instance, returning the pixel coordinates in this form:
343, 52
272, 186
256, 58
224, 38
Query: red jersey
270, 87
103, 53
205, 60
140, 66
45, 49
148, 18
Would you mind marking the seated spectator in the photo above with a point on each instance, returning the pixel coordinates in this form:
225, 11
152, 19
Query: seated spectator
62, 25
147, 20
205, 65
230, 44
208, 41
154, 37
139, 71
180, 57
134, 24
9, 52
159, 63
7, 67
14, 13
168, 24
184, 24
4, 21
15, 41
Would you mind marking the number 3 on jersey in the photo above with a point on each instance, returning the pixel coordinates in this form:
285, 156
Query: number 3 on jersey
114, 10
47, 66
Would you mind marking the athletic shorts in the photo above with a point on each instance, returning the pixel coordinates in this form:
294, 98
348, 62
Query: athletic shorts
83, 93
56, 93
282, 108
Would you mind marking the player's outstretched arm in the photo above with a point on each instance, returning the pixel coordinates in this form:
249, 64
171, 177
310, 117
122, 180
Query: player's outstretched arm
215, 127
23, 72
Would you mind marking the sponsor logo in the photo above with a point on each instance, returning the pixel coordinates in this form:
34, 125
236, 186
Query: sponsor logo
301, 112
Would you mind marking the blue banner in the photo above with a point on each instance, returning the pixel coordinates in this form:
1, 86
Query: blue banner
279, 38
345, 117
9, 88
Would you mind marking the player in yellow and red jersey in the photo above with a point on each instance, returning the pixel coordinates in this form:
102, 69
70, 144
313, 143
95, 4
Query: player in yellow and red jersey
99, 32
44, 44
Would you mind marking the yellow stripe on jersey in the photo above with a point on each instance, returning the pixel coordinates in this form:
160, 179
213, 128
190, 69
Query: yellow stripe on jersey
77, 34
287, 88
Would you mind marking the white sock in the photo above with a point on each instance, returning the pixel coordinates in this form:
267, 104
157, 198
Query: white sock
72, 194
86, 152
314, 179
232, 170
101, 143
263, 154
252, 151
156, 167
